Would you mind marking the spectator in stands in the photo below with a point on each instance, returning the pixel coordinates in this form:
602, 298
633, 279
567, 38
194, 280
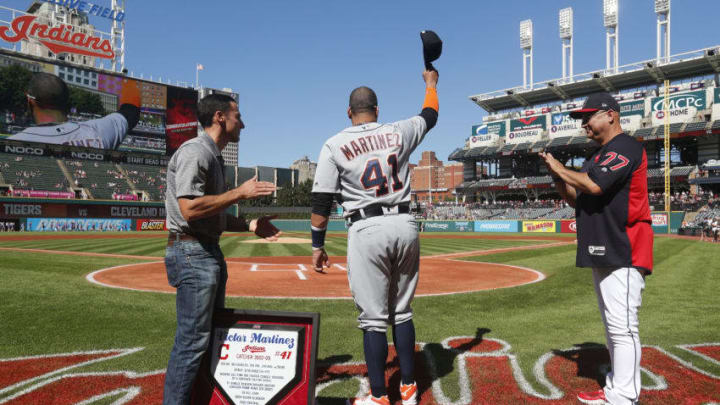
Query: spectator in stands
48, 99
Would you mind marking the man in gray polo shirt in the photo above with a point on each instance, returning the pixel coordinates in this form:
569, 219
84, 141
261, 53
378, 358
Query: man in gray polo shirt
195, 202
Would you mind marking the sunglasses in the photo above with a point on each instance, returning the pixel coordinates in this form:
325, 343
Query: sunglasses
586, 118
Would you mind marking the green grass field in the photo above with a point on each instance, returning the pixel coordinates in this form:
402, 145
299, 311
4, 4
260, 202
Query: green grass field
47, 305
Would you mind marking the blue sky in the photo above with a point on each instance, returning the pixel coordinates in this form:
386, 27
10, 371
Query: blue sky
294, 63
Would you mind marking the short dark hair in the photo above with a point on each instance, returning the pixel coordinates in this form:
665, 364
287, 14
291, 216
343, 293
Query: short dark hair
49, 91
210, 104
363, 99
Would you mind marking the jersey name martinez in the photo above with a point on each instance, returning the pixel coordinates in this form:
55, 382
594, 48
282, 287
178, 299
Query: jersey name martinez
370, 143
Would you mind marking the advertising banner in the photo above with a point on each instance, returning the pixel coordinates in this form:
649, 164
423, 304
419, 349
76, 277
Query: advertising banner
43, 194
259, 357
568, 226
78, 224
480, 136
150, 225
683, 107
487, 134
497, 226
631, 114
527, 129
716, 104
539, 226
435, 226
463, 226
496, 128
446, 226
562, 125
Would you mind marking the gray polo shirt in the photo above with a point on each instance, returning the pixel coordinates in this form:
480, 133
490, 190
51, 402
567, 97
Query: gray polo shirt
195, 170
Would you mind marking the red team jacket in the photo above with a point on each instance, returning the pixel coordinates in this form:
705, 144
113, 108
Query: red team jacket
614, 229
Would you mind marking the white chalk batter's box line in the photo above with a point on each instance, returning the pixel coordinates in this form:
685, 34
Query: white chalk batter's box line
299, 270
287, 267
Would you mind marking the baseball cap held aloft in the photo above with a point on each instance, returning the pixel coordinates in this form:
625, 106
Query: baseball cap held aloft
595, 102
432, 48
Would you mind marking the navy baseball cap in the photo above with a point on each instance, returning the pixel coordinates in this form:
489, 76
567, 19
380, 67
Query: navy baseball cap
595, 102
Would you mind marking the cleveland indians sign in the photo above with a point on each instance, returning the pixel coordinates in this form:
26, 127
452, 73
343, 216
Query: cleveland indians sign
60, 39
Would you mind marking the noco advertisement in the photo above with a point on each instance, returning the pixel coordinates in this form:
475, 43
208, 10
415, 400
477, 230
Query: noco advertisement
96, 108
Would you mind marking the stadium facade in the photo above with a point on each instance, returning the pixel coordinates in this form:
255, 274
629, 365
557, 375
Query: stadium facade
524, 121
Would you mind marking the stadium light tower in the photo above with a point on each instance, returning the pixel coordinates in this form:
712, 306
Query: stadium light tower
662, 9
566, 36
610, 20
118, 36
526, 43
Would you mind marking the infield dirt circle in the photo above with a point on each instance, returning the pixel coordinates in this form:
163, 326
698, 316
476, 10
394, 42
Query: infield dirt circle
294, 277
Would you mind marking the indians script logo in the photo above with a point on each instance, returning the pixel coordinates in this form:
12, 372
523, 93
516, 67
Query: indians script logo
60, 39
487, 372
254, 349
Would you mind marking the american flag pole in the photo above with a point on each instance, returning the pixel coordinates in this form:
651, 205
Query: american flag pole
198, 68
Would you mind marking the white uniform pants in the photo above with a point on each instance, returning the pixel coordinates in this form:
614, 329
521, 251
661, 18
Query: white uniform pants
619, 293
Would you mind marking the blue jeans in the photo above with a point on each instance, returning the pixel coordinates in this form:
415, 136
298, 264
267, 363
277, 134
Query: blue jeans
199, 273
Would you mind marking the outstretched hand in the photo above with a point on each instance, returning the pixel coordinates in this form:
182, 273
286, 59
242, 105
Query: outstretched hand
320, 260
253, 188
265, 229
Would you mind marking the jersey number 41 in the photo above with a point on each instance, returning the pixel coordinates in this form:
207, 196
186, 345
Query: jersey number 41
373, 176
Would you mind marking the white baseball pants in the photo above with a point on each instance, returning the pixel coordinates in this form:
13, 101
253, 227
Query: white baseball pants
619, 293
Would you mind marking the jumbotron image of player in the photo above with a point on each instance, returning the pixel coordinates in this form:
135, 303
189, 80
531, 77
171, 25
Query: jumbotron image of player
48, 99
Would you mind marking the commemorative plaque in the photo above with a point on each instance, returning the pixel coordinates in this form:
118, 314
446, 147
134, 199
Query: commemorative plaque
259, 358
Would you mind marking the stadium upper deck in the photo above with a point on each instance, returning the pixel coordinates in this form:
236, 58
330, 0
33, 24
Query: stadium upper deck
540, 119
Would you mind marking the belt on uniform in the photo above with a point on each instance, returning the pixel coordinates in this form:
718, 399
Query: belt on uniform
174, 237
376, 210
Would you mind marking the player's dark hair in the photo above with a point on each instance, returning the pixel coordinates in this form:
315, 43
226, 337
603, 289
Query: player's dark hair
210, 104
49, 92
363, 99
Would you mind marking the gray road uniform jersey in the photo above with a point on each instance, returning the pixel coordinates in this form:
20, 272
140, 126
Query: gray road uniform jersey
103, 133
367, 165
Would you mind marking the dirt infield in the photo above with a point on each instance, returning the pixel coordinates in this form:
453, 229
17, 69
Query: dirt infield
293, 276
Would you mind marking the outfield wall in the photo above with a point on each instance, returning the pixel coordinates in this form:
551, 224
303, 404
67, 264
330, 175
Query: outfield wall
494, 226
43, 215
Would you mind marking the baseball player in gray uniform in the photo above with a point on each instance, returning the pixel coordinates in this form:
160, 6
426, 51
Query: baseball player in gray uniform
49, 103
367, 166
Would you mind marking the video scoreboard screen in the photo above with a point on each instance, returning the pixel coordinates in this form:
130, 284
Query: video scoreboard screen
167, 114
